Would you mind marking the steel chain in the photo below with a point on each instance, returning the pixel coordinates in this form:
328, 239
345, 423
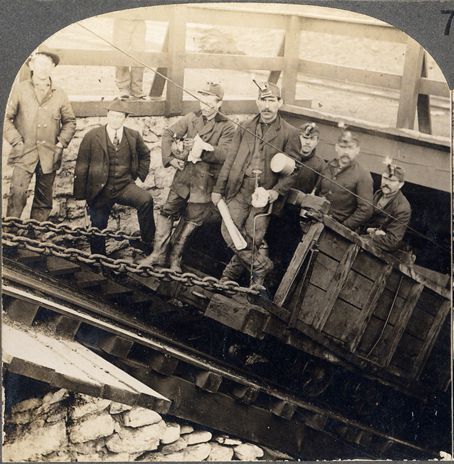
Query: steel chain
65, 229
188, 279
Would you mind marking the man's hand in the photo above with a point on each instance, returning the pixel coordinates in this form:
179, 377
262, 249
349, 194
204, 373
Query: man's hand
177, 164
273, 195
58, 155
16, 152
216, 198
372, 231
188, 143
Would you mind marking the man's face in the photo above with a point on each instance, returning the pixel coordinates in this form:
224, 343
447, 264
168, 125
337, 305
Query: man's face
268, 108
115, 119
308, 144
346, 153
42, 66
209, 104
390, 184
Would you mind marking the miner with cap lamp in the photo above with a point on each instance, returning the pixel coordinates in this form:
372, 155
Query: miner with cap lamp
392, 212
110, 159
248, 164
39, 124
347, 185
196, 146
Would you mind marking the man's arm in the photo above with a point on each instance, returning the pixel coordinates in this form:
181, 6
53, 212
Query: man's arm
68, 122
221, 183
364, 208
81, 169
179, 129
10, 132
395, 231
219, 153
143, 155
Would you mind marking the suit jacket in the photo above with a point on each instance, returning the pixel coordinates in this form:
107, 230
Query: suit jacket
196, 181
39, 125
398, 207
346, 208
92, 165
281, 135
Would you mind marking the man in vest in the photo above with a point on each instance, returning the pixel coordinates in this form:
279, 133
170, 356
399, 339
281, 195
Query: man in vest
204, 138
110, 159
390, 219
39, 124
248, 164
347, 185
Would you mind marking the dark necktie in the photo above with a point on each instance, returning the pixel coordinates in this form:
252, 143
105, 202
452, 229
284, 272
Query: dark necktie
116, 141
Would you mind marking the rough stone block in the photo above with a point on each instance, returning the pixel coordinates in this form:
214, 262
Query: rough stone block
197, 452
174, 447
225, 440
86, 405
220, 453
27, 405
198, 437
21, 418
184, 429
118, 408
248, 452
32, 445
55, 397
171, 434
92, 428
129, 440
138, 417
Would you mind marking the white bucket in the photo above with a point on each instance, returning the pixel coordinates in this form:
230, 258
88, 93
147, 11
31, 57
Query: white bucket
282, 164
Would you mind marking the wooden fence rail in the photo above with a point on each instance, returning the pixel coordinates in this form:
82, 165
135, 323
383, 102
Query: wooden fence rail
414, 86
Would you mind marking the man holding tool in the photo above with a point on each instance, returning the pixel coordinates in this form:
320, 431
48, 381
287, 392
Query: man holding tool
249, 186
196, 146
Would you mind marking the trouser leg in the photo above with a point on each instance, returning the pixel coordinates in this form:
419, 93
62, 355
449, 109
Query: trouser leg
99, 217
42, 201
137, 43
234, 269
122, 30
20, 181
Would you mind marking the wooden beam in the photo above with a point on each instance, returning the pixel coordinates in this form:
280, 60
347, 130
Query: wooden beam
274, 76
66, 326
339, 279
291, 59
435, 88
245, 394
116, 346
21, 311
177, 46
423, 105
294, 267
409, 90
367, 311
238, 62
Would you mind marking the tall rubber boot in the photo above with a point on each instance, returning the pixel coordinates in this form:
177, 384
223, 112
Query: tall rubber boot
262, 266
161, 242
179, 239
233, 270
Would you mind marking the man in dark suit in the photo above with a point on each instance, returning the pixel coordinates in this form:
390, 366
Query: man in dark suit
386, 231
248, 163
109, 161
200, 142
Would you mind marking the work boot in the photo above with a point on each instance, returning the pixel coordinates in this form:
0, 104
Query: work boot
179, 239
262, 266
233, 270
160, 244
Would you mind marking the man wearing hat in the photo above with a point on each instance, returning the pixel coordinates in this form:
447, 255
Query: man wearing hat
347, 185
387, 226
248, 165
308, 175
110, 159
39, 124
196, 146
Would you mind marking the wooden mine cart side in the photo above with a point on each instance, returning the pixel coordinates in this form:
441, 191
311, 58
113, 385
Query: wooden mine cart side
367, 303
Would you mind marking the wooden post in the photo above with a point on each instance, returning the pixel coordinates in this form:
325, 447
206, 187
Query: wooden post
274, 76
176, 49
424, 118
291, 59
157, 86
409, 88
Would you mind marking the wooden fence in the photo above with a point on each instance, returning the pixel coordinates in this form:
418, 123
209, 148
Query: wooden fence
414, 85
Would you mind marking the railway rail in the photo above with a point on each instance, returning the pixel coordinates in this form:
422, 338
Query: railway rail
140, 330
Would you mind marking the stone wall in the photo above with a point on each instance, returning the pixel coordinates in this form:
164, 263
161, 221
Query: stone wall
65, 209
64, 426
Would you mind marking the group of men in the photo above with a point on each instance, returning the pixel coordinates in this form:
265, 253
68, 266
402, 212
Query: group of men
214, 161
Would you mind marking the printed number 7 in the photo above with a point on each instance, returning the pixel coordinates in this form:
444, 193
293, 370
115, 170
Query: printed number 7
448, 24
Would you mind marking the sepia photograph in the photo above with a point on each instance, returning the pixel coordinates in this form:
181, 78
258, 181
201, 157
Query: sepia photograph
227, 236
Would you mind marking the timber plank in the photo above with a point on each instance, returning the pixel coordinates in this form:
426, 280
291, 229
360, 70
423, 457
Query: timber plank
29, 257
208, 381
89, 279
291, 59
338, 282
66, 326
116, 346
340, 323
61, 267
309, 307
113, 290
283, 409
423, 104
21, 311
245, 394
157, 86
162, 363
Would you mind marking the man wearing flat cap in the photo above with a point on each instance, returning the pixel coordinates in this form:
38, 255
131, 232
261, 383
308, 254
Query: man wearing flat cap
392, 212
248, 165
196, 146
110, 159
308, 174
347, 185
39, 124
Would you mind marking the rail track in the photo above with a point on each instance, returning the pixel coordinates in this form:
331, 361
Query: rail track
141, 330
